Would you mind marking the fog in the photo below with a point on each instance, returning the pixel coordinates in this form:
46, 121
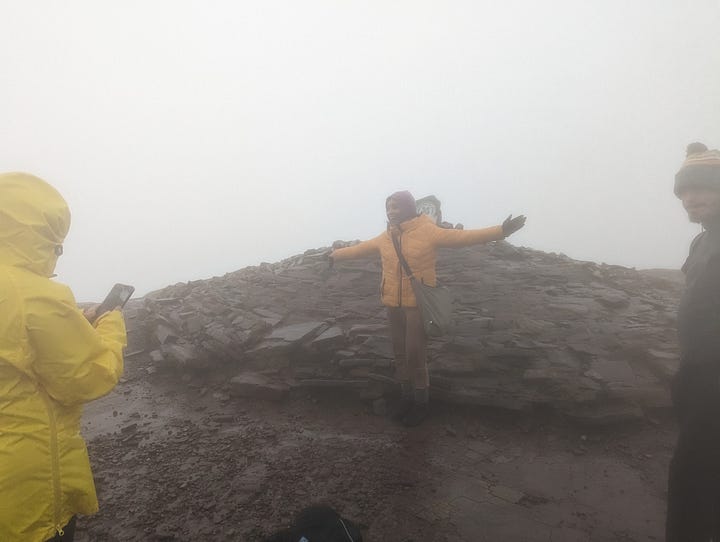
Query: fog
192, 139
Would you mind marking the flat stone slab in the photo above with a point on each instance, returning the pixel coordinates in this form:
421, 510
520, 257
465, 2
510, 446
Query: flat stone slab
195, 323
296, 332
378, 346
356, 362
369, 329
508, 401
164, 334
553, 374
577, 308
330, 383
606, 414
664, 364
613, 299
612, 371
329, 338
184, 355
269, 317
257, 386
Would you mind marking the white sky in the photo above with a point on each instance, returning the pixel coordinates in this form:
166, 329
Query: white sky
195, 138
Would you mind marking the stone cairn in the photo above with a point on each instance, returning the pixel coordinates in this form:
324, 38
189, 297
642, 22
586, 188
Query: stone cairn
532, 331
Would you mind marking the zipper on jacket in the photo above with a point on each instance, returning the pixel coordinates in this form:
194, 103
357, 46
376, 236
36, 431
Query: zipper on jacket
55, 463
400, 271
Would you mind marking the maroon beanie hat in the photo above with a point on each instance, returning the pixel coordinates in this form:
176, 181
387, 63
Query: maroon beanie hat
406, 202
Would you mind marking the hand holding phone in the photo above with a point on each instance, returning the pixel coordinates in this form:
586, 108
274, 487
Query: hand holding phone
116, 299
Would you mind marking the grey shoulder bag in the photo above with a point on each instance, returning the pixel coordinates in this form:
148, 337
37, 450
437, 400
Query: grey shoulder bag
435, 303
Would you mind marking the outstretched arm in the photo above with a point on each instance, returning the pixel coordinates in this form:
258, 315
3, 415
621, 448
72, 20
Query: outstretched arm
366, 249
462, 238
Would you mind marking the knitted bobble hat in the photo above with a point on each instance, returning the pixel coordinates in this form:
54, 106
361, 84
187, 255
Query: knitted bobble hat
700, 169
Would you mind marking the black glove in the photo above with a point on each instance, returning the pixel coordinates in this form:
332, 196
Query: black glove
511, 225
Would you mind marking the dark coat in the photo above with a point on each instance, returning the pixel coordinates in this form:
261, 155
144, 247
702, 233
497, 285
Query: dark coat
699, 312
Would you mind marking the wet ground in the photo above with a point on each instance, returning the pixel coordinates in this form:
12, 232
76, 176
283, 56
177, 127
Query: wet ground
175, 458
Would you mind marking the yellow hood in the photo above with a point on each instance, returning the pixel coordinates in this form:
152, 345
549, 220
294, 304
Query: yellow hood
34, 220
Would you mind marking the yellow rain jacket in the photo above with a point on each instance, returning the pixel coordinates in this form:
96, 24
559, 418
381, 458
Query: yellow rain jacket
419, 238
52, 360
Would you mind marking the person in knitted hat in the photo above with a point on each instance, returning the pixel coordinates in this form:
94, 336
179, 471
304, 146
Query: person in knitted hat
693, 512
418, 238
697, 184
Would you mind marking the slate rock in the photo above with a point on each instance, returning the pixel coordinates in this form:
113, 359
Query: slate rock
611, 371
296, 332
531, 329
613, 299
330, 338
368, 329
380, 347
165, 334
269, 317
605, 414
379, 407
258, 386
184, 355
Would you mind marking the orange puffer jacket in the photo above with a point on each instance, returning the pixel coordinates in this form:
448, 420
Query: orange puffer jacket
419, 238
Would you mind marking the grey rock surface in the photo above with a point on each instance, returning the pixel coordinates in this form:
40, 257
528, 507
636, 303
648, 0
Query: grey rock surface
257, 386
532, 329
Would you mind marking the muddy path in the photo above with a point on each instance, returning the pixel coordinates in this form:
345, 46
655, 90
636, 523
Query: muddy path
176, 458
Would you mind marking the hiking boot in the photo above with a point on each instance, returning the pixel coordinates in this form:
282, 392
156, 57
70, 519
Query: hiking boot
403, 405
416, 415
419, 411
400, 409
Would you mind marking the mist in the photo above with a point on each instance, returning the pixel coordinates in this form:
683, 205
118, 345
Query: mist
192, 139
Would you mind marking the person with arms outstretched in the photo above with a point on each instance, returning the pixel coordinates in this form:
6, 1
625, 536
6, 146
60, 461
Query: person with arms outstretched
417, 238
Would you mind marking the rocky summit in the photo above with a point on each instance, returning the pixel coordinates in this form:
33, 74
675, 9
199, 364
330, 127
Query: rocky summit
532, 330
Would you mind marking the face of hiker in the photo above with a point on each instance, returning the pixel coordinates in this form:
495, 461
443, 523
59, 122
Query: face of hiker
397, 213
702, 204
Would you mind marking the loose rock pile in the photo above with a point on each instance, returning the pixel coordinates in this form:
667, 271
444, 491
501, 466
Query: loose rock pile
532, 330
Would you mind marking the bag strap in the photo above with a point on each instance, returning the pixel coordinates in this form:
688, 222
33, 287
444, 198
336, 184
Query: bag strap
402, 259
693, 246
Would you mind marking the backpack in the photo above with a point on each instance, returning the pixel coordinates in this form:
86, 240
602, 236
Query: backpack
318, 524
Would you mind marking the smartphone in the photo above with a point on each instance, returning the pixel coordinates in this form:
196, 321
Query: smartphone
117, 297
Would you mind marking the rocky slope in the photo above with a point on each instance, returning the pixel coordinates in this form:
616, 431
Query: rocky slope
532, 331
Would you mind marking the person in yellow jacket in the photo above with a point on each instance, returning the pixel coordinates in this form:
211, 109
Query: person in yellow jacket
418, 238
52, 360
